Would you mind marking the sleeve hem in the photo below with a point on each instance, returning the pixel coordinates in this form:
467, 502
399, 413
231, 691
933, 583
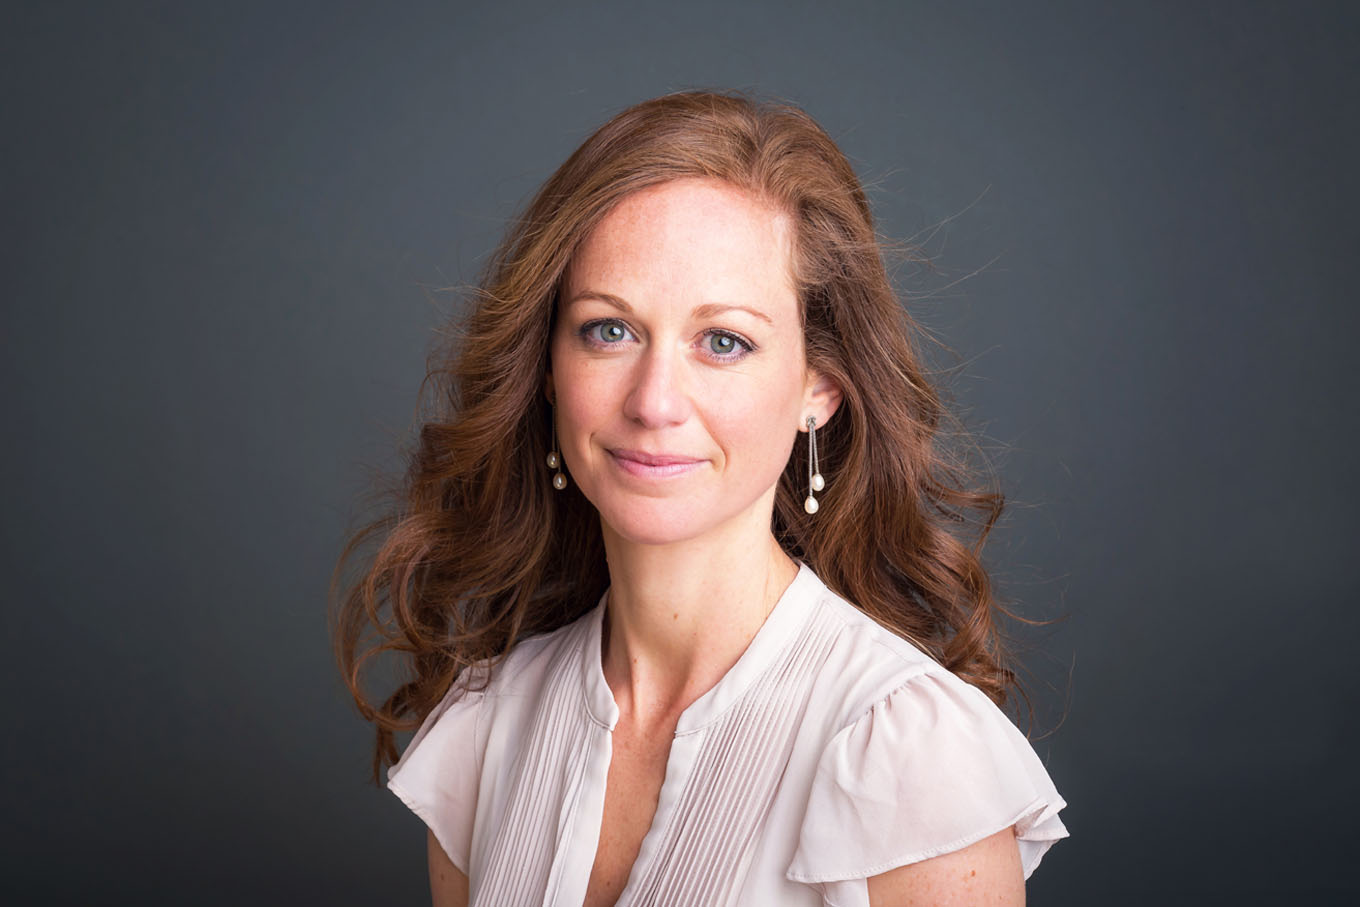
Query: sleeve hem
1038, 808
428, 818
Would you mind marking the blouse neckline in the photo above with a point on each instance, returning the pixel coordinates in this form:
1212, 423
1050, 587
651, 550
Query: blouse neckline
789, 613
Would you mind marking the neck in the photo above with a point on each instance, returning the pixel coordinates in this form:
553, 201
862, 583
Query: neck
680, 615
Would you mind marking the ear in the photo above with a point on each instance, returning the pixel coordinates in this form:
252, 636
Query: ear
548, 390
821, 399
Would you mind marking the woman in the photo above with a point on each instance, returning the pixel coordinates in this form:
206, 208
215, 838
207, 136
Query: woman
681, 574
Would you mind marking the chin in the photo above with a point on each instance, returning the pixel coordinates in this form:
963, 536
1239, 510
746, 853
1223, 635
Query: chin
683, 517
657, 521
655, 529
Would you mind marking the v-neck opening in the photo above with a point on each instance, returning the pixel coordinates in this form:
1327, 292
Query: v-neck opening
772, 639
779, 626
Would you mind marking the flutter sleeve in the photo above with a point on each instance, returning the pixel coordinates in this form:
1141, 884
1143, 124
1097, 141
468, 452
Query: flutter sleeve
929, 769
438, 775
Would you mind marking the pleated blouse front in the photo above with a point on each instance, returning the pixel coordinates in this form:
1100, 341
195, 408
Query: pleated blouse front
832, 750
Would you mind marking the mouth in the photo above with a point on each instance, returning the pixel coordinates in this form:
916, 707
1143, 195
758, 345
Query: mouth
652, 465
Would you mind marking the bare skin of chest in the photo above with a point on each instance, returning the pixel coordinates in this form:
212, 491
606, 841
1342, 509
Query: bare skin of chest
637, 768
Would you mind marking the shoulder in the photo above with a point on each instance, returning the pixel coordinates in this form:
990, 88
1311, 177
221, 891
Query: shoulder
522, 669
913, 762
855, 628
460, 717
865, 661
439, 774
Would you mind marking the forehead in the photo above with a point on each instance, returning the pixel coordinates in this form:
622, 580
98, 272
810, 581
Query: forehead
690, 237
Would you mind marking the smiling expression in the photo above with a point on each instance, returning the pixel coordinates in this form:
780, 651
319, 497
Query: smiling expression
677, 362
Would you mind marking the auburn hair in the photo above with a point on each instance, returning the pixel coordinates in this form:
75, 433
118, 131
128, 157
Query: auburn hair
479, 552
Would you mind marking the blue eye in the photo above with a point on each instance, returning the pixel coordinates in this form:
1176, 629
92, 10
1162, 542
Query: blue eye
727, 346
605, 333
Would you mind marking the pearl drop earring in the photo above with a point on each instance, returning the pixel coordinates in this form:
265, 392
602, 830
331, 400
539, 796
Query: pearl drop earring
815, 481
559, 481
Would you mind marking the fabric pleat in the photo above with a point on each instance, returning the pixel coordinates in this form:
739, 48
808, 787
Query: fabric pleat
831, 751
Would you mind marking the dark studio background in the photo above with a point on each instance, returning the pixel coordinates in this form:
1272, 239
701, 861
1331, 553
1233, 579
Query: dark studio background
222, 228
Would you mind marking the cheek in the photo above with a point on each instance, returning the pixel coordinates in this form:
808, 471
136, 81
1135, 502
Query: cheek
757, 426
585, 396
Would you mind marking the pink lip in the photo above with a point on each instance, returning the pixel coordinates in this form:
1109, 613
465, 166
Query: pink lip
653, 465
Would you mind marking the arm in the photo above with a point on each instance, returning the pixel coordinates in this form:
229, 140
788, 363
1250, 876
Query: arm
987, 872
448, 885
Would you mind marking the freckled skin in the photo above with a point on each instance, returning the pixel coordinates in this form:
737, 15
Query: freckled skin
985, 873
649, 377
448, 885
654, 377
679, 334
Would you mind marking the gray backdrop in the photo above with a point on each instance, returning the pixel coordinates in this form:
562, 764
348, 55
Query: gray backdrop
222, 227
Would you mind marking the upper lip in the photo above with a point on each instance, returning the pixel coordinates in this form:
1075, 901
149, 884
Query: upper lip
651, 459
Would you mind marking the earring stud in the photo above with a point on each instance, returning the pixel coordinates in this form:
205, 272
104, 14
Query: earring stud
815, 481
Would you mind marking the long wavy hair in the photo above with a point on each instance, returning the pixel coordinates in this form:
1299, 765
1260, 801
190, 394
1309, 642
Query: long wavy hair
479, 551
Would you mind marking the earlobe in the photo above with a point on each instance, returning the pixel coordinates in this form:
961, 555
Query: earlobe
548, 388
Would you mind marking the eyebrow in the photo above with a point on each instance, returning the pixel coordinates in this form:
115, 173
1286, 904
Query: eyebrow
704, 311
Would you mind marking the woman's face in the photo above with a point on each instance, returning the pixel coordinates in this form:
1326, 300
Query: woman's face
677, 364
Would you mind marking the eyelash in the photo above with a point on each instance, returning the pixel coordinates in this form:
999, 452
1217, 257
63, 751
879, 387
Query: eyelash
744, 346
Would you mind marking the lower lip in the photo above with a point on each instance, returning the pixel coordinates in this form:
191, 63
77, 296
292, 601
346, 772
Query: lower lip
645, 471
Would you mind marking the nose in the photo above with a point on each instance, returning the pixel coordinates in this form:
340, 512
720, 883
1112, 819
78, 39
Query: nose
658, 396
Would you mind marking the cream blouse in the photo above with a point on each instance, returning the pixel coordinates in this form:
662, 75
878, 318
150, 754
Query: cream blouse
833, 750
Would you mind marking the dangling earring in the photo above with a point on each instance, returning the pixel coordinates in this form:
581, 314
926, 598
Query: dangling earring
559, 481
815, 481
